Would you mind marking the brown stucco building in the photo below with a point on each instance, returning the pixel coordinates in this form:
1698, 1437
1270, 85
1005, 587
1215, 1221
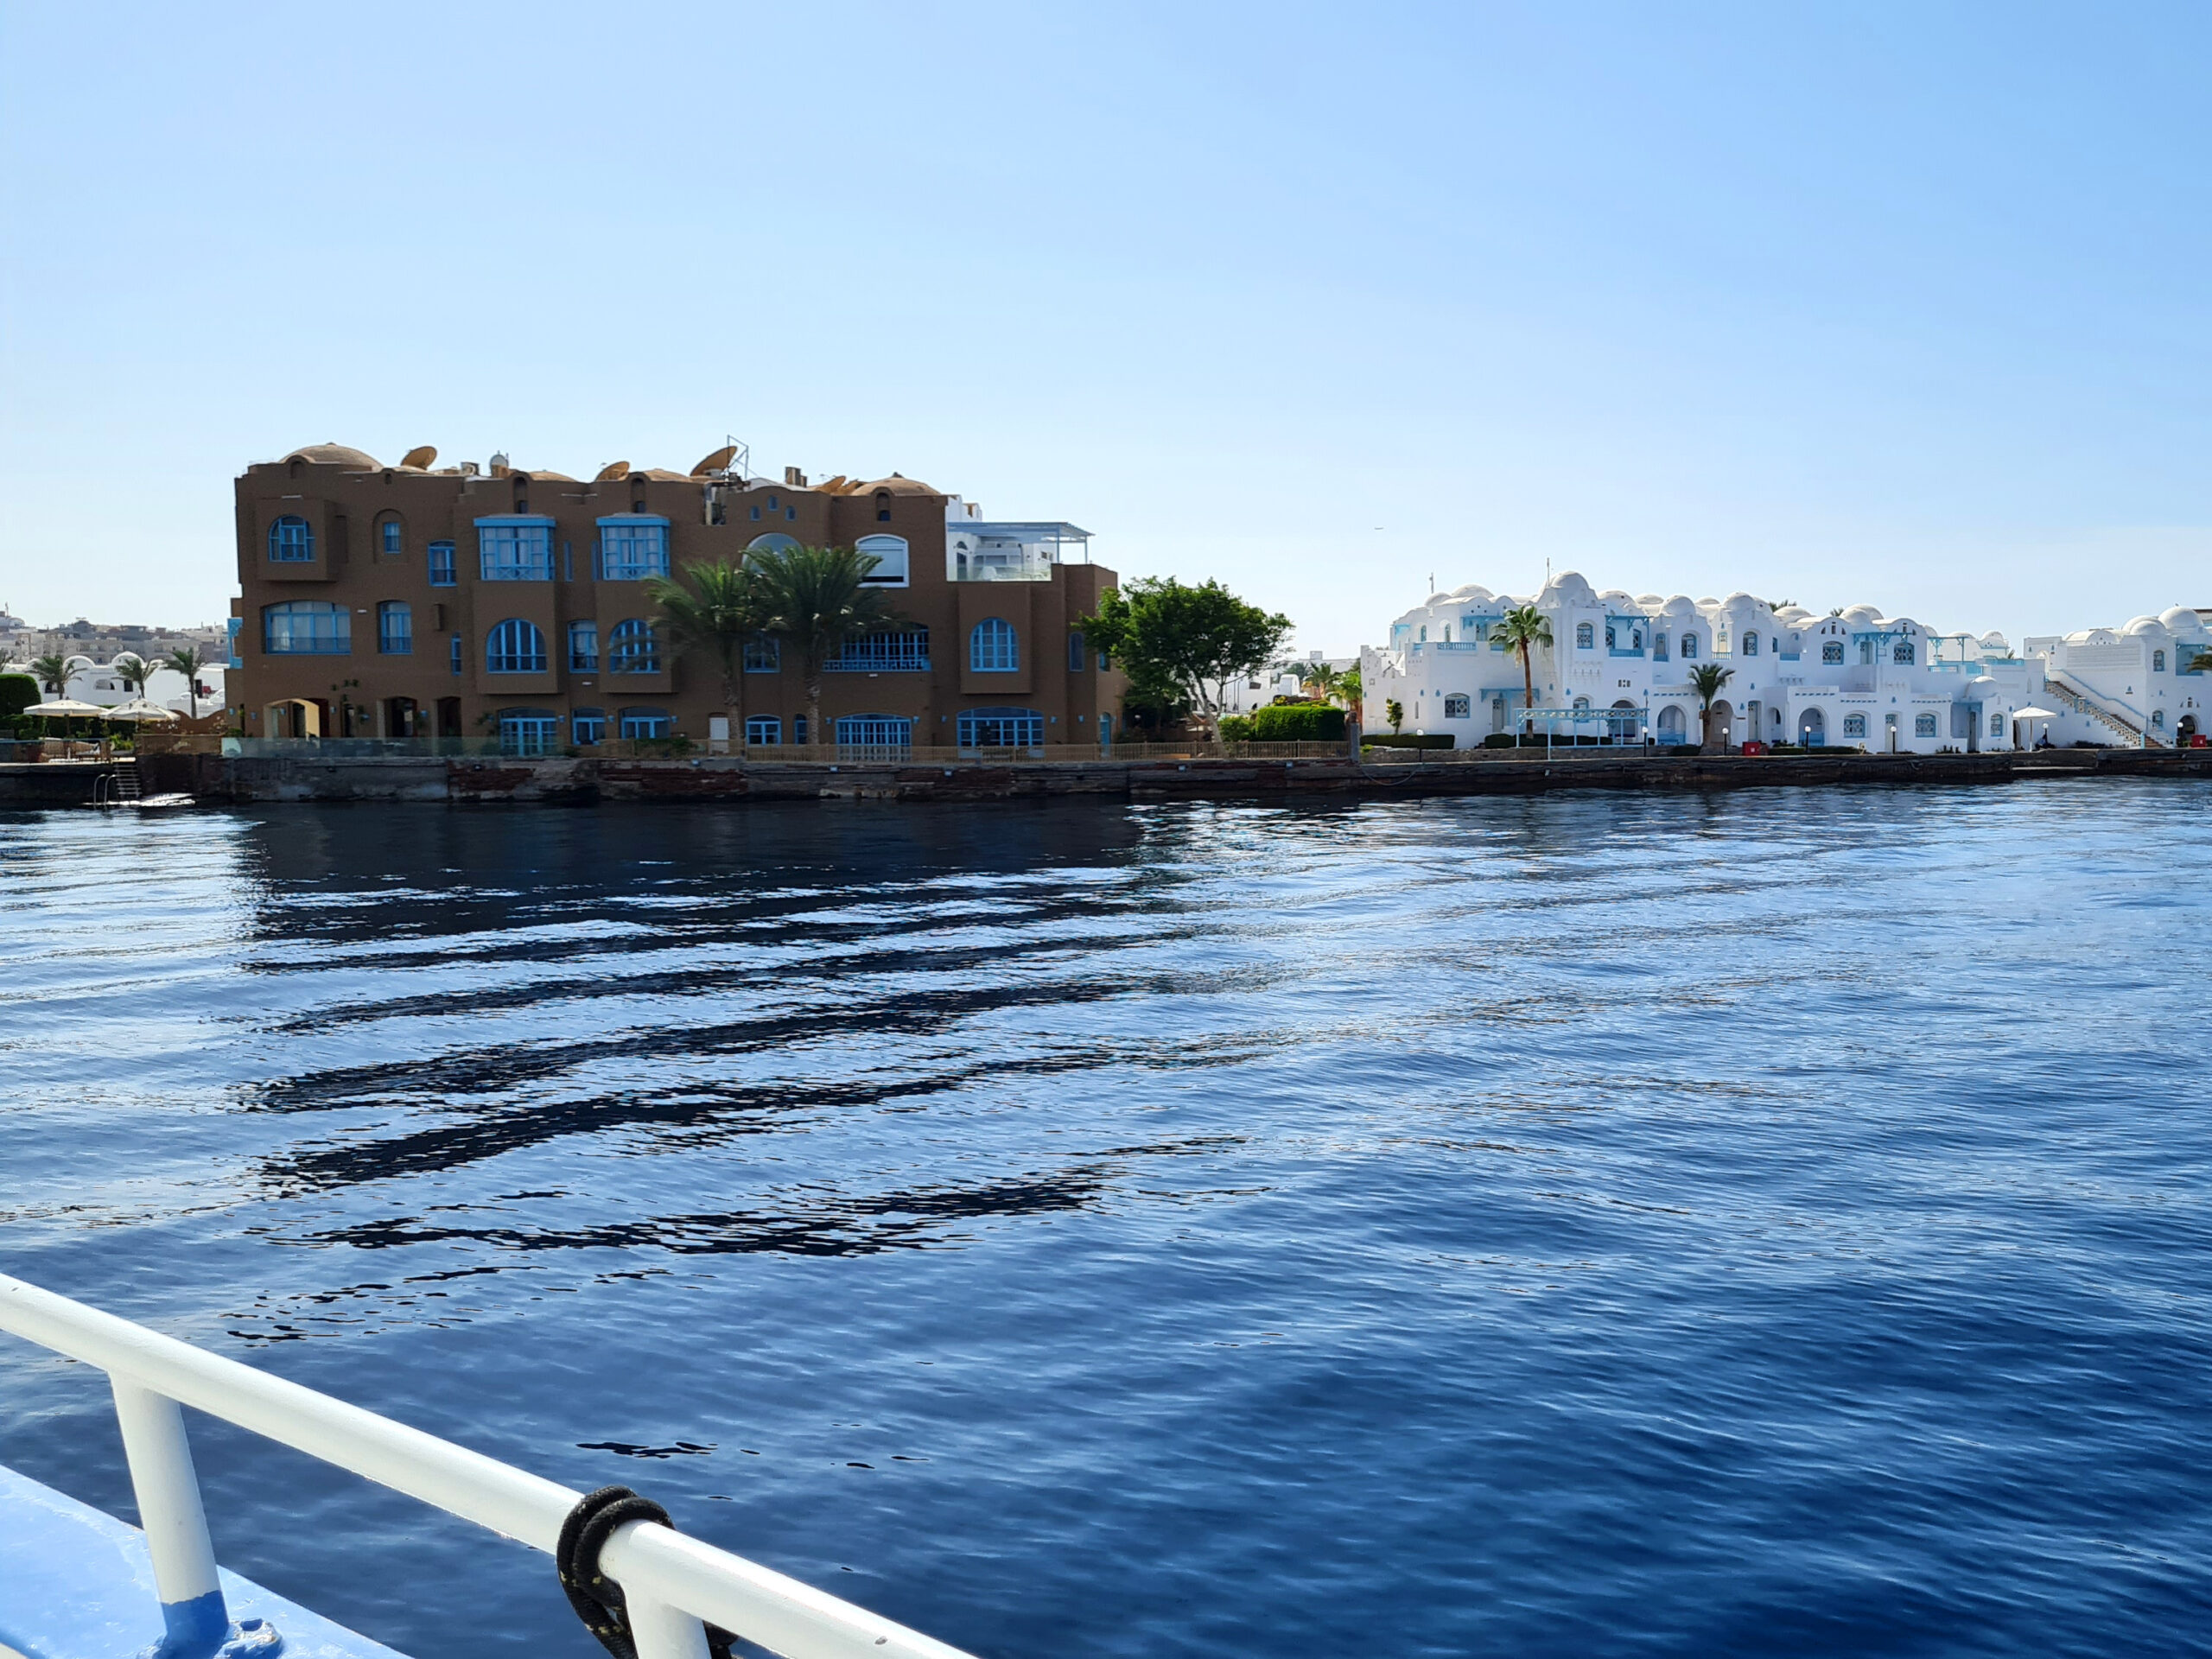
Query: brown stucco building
414, 600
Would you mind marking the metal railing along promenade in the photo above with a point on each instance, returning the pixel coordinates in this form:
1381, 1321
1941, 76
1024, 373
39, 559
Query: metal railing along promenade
674, 1585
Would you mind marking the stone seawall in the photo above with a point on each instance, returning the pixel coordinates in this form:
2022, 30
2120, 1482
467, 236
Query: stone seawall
560, 781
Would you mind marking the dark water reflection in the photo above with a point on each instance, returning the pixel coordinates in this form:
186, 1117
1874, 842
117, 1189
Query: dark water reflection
1754, 1225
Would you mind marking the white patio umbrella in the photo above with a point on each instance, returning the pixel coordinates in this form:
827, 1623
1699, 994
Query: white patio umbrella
2036, 714
139, 709
66, 709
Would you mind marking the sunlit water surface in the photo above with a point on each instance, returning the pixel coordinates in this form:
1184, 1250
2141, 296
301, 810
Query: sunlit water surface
1763, 1223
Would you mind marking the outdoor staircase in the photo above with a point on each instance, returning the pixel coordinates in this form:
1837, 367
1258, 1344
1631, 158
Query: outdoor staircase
2082, 701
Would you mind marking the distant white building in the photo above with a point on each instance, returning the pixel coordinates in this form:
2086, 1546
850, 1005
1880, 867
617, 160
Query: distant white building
1618, 669
100, 684
2121, 685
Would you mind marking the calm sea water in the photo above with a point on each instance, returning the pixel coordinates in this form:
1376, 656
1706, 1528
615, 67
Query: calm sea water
1756, 1223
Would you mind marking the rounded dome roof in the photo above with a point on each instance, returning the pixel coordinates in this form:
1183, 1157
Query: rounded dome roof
1681, 604
2143, 625
1472, 590
2182, 619
1570, 585
895, 485
335, 455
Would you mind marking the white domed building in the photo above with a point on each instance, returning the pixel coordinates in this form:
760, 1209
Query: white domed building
1618, 669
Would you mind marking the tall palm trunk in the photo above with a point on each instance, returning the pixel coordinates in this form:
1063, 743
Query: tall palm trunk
1528, 688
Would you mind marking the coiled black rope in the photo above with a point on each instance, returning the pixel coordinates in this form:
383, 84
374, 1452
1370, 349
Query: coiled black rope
597, 1599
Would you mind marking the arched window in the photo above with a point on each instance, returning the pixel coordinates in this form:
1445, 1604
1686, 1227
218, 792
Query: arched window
396, 628
998, 728
1923, 725
883, 506
588, 725
1658, 648
2158, 662
1997, 725
1832, 653
633, 648
1689, 647
763, 729
307, 627
291, 541
645, 723
1586, 635
889, 553
993, 648
514, 646
583, 647
390, 541
1750, 642
1855, 725
774, 541
2158, 720
1902, 652
1459, 707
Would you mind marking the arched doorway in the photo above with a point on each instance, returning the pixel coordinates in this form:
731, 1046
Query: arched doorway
294, 717
1813, 728
1673, 727
1621, 724
1720, 725
401, 715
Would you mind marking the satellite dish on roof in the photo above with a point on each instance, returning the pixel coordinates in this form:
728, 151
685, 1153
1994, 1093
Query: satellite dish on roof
612, 470
422, 455
719, 462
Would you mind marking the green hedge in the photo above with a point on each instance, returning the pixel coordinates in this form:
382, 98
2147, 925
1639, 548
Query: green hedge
1297, 722
18, 693
1408, 740
1236, 728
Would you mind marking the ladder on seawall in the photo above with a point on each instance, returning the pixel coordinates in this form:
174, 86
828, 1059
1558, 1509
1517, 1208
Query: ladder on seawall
119, 783
674, 1584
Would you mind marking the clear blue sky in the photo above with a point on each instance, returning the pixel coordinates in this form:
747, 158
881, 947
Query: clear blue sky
1900, 304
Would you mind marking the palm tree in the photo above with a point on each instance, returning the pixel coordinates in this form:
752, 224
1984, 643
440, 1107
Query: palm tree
1522, 628
725, 611
1394, 712
52, 671
133, 671
1707, 679
1317, 677
1349, 690
817, 598
187, 661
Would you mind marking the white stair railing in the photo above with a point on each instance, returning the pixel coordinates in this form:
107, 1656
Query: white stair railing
674, 1585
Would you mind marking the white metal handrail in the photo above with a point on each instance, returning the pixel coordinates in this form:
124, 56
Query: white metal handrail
672, 1583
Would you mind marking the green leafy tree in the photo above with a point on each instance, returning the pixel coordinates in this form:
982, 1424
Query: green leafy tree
187, 661
1523, 628
1349, 690
133, 671
1179, 643
18, 693
2201, 663
724, 607
815, 599
1707, 679
1394, 712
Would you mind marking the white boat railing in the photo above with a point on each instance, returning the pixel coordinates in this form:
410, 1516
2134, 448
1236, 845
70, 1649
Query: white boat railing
674, 1585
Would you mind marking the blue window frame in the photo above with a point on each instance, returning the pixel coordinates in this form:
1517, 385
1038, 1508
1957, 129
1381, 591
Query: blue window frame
307, 627
1689, 647
583, 647
994, 647
396, 628
514, 646
455, 653
764, 654
763, 728
1000, 728
1750, 642
1075, 653
388, 538
874, 732
232, 630
633, 547
440, 563
529, 731
798, 729
904, 652
588, 725
1586, 634
891, 556
517, 549
1901, 653
633, 648
645, 723
291, 541
1832, 652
